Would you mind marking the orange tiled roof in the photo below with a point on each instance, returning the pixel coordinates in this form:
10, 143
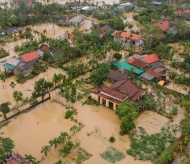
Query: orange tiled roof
163, 25
151, 58
126, 35
30, 56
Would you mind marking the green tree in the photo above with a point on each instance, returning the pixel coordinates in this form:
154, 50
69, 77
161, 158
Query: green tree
41, 88
45, 150
98, 75
4, 108
19, 77
12, 84
31, 159
63, 137
117, 56
127, 112
3, 77
17, 95
6, 146
66, 148
148, 103
55, 142
74, 129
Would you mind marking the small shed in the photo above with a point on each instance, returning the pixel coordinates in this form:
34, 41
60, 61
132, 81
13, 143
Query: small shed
146, 76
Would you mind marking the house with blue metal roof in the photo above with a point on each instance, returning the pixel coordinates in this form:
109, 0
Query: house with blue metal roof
126, 66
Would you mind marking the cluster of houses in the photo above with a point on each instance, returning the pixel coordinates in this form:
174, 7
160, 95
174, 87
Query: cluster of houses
71, 20
21, 64
147, 68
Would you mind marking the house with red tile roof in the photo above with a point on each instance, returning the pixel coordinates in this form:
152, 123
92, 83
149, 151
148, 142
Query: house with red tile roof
185, 13
120, 91
15, 158
127, 39
43, 48
69, 37
149, 59
163, 25
138, 63
31, 57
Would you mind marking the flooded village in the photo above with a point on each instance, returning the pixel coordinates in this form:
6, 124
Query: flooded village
94, 82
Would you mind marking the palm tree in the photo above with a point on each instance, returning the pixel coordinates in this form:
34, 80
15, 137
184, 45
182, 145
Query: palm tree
41, 88
4, 108
66, 149
12, 84
3, 77
19, 77
63, 137
31, 159
74, 129
45, 150
44, 31
54, 142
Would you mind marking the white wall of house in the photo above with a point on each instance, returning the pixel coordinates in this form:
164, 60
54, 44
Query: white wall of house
94, 96
128, 44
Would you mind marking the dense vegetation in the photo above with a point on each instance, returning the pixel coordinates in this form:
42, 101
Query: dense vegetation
127, 112
6, 146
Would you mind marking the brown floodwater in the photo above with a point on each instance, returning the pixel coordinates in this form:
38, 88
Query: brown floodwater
32, 130
53, 31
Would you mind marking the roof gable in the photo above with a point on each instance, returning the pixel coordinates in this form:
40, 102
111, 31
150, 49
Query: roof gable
113, 93
30, 56
154, 73
137, 63
164, 25
126, 35
151, 58
44, 48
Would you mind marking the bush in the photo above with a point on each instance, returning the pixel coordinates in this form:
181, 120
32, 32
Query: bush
117, 56
112, 139
166, 156
69, 113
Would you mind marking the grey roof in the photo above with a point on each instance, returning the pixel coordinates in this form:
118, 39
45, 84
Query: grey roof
116, 75
106, 29
13, 61
156, 65
76, 19
156, 3
147, 76
23, 67
26, 72
12, 30
159, 69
